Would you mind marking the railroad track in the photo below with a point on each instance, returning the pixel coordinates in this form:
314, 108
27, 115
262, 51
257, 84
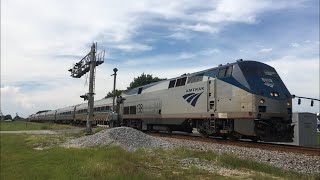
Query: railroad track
313, 151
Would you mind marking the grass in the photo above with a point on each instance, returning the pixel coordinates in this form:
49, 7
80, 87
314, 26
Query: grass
24, 125
19, 160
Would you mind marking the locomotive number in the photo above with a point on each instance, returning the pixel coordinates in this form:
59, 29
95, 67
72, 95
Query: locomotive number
139, 108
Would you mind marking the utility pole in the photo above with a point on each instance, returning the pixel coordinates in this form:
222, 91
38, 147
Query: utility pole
115, 70
88, 63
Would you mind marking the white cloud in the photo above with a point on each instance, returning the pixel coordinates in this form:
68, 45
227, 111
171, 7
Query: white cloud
133, 47
185, 55
294, 44
244, 11
301, 76
209, 52
199, 28
180, 36
265, 50
34, 32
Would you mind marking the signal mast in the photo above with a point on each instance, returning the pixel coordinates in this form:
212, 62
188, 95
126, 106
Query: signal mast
88, 64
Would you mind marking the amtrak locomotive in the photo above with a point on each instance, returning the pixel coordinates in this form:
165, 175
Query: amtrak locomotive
245, 99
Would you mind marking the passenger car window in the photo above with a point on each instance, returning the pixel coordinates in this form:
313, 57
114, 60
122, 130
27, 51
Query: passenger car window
132, 109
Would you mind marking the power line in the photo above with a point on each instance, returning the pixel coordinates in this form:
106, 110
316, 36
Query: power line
301, 97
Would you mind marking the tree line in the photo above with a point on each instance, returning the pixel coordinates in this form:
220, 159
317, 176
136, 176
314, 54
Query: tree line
141, 80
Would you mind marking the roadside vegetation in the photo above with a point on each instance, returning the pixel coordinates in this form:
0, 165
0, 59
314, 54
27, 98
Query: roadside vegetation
40, 157
25, 125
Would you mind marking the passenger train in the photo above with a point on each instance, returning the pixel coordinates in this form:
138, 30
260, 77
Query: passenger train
244, 99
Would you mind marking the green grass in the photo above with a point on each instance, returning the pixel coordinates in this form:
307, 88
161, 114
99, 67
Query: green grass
19, 160
24, 125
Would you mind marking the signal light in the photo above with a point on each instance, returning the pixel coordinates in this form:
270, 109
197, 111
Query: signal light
85, 97
299, 101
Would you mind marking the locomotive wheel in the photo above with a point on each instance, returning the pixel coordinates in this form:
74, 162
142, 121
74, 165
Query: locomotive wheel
204, 134
254, 139
233, 136
224, 137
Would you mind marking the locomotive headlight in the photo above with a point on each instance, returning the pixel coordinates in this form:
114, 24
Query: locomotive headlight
288, 103
262, 101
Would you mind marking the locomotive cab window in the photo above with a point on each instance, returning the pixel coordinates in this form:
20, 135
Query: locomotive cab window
229, 71
172, 83
181, 81
225, 72
222, 72
195, 78
140, 90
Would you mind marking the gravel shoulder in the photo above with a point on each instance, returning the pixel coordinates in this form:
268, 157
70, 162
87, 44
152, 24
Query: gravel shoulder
289, 161
128, 138
131, 139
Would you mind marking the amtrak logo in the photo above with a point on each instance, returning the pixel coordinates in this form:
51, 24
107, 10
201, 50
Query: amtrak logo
192, 98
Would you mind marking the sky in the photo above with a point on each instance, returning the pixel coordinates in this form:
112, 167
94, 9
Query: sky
41, 40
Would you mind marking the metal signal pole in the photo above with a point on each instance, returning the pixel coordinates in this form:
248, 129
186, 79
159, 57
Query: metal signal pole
88, 63
91, 93
115, 70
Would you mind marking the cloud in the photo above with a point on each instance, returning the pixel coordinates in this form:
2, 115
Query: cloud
40, 44
234, 11
180, 36
133, 47
292, 71
198, 28
294, 44
265, 50
13, 96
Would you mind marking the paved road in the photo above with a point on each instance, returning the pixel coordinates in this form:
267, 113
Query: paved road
61, 131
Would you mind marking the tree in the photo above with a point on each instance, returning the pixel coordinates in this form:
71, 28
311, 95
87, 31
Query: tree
17, 117
7, 117
143, 79
110, 94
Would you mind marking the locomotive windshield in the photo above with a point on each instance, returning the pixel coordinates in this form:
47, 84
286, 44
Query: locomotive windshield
257, 69
263, 80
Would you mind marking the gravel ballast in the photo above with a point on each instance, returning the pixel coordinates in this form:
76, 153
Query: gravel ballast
131, 139
289, 161
126, 137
